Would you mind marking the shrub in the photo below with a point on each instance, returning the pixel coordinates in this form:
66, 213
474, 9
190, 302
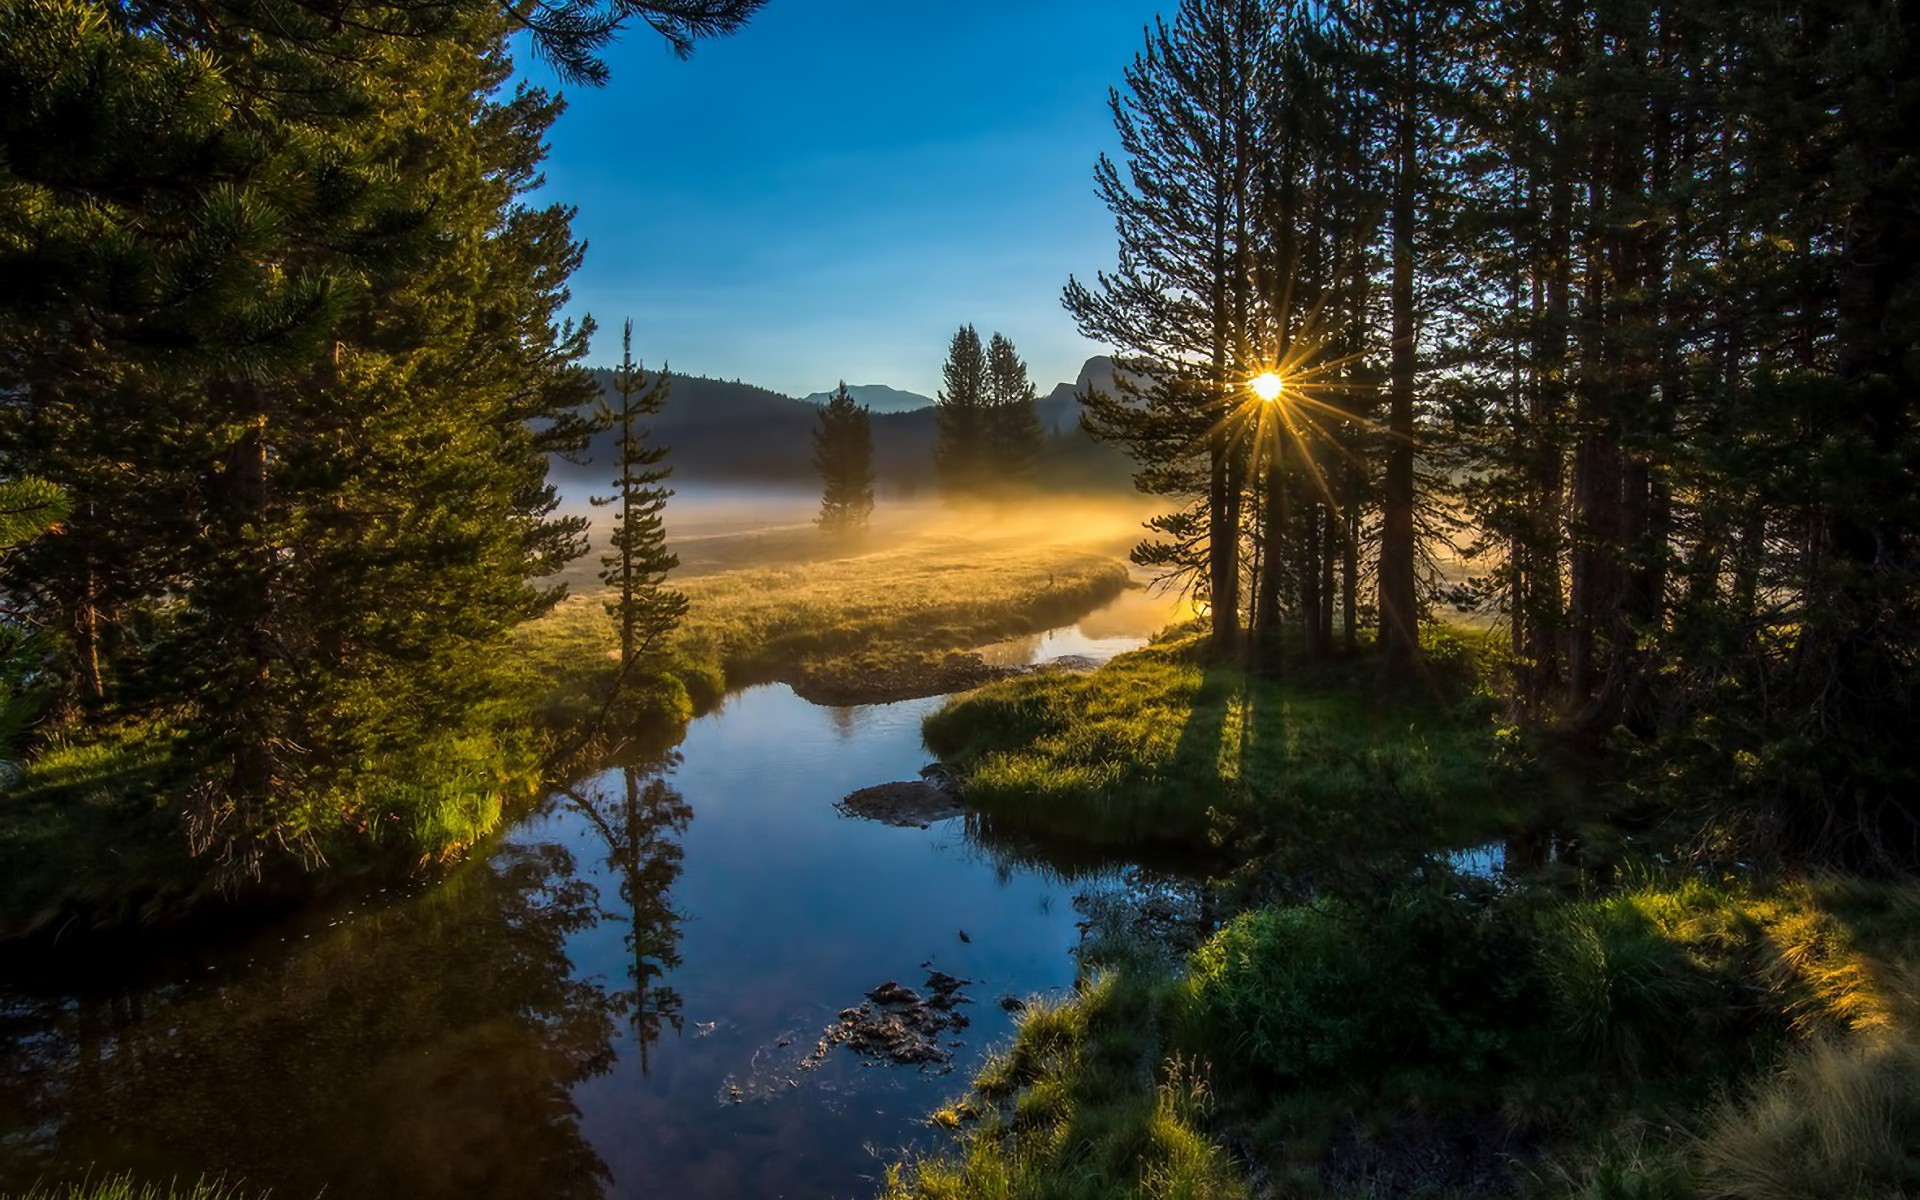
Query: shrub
1321, 992
1623, 991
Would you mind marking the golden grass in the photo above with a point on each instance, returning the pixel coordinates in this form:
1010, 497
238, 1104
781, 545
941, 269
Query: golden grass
1838, 1120
886, 614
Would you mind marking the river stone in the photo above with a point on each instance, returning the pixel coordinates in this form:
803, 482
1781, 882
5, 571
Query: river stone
912, 805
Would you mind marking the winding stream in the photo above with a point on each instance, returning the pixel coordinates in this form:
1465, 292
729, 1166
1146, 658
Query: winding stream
623, 999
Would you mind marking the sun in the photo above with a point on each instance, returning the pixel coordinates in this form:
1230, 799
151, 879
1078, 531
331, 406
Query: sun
1266, 385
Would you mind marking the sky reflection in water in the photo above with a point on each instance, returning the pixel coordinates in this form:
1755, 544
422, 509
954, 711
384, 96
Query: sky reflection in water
570, 1016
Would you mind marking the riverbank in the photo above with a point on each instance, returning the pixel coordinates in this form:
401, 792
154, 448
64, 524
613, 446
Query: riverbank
90, 837
1165, 747
886, 624
1680, 1039
1369, 1019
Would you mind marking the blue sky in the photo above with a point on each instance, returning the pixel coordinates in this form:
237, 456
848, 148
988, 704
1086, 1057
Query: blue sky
831, 192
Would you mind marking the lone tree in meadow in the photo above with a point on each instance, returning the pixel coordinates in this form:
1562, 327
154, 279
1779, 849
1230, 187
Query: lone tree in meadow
843, 454
637, 563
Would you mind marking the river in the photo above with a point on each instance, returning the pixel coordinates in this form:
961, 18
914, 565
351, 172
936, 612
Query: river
625, 997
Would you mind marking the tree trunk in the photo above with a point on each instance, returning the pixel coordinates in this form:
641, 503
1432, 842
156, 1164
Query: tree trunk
1399, 603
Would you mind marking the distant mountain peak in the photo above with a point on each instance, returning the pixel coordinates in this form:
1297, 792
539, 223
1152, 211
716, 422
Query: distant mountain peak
880, 398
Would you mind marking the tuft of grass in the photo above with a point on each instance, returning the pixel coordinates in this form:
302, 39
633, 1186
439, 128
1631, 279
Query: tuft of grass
1625, 990
126, 1187
1837, 1120
1630, 1163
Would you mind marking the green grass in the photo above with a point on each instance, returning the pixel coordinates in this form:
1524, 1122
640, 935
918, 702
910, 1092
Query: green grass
1672, 1040
1159, 746
93, 832
1086, 1104
89, 828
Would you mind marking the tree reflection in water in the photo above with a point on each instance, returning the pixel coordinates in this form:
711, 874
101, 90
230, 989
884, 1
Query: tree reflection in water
427, 1049
642, 825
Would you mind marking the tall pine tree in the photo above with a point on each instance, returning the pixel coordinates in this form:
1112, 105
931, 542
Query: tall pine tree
959, 448
843, 454
1012, 437
638, 560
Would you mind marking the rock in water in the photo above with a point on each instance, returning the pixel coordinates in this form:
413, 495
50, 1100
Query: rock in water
914, 805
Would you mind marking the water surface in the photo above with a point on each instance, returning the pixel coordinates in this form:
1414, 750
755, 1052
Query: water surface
615, 1001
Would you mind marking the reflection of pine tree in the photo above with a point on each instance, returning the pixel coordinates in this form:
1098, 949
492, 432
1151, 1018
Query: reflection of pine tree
456, 1015
642, 829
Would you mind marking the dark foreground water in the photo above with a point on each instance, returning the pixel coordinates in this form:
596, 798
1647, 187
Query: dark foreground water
620, 1000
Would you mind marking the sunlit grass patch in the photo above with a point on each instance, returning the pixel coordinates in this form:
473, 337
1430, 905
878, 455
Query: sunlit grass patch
886, 618
1159, 747
929, 597
1084, 1105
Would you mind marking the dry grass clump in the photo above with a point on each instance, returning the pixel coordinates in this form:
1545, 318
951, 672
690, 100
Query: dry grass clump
1840, 1119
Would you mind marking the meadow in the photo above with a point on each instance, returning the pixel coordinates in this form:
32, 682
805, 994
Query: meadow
891, 614
1611, 1018
90, 832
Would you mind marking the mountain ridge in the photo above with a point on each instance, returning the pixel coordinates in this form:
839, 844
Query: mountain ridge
729, 431
879, 397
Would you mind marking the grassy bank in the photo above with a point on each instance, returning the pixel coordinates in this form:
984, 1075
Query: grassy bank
1367, 1021
1162, 746
1675, 1040
885, 624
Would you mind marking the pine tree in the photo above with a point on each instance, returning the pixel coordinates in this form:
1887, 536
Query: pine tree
1195, 128
637, 564
843, 454
960, 447
306, 444
1012, 436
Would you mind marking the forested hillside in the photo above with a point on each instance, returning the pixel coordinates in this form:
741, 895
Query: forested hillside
728, 431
